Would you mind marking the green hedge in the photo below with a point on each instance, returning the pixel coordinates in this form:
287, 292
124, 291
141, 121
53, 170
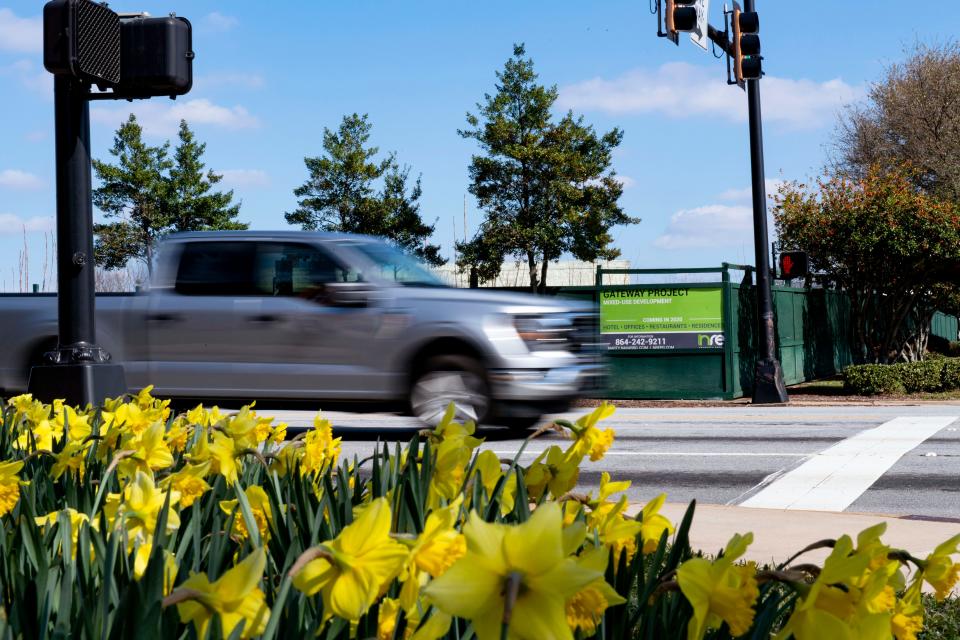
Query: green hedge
928, 376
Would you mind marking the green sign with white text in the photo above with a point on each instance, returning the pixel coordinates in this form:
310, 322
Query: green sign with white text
657, 317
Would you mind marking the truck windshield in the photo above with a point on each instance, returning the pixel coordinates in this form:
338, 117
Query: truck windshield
396, 266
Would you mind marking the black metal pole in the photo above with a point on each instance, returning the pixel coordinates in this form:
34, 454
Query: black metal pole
75, 281
768, 385
78, 370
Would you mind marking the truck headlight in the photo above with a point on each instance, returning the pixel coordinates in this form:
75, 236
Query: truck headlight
544, 333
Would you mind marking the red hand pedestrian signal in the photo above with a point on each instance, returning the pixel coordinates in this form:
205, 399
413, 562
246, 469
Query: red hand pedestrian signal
793, 264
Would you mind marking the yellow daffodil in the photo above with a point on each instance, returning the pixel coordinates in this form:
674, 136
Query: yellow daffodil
939, 569
585, 609
9, 485
170, 570
720, 591
387, 619
488, 467
199, 417
278, 433
77, 520
571, 510
320, 449
72, 458
453, 445
356, 565
285, 459
601, 507
448, 430
222, 454
188, 482
552, 470
259, 506
618, 533
588, 439
151, 452
433, 552
434, 628
824, 610
21, 403
242, 427
132, 417
177, 435
236, 597
75, 425
136, 512
38, 429
907, 620
652, 524
525, 567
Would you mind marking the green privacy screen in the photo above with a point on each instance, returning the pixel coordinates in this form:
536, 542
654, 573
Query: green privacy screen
661, 318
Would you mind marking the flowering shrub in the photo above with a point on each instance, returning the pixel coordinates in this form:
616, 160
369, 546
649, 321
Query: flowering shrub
129, 521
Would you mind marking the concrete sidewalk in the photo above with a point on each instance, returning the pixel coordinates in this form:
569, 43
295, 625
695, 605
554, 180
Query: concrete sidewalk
778, 534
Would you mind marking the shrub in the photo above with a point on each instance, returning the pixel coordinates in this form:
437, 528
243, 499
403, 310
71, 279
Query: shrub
928, 376
924, 376
872, 379
951, 374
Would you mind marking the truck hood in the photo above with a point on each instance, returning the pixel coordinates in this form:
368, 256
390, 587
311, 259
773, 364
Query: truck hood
514, 302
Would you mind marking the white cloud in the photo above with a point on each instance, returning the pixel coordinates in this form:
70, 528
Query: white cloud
250, 178
16, 179
160, 119
23, 35
678, 89
12, 224
217, 21
37, 81
709, 226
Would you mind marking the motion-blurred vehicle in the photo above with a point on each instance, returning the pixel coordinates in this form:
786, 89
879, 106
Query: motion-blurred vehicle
317, 316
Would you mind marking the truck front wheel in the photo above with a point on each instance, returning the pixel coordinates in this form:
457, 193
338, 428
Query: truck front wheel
450, 378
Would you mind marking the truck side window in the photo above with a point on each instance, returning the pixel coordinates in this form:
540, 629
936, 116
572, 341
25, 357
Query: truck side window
293, 269
216, 269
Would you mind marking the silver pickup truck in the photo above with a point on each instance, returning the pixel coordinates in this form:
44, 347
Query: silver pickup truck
315, 316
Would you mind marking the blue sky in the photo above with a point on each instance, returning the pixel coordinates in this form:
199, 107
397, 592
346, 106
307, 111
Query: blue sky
268, 80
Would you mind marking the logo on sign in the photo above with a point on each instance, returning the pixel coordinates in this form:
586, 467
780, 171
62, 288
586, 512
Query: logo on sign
706, 340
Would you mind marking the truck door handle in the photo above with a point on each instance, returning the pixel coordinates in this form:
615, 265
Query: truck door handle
264, 318
164, 317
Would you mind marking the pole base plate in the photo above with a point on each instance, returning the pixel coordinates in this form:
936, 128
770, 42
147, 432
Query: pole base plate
768, 386
77, 384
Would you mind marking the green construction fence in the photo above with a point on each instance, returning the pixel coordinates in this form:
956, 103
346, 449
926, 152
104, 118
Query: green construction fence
813, 337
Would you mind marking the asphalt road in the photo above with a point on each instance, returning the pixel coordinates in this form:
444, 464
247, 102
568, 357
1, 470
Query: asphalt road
900, 460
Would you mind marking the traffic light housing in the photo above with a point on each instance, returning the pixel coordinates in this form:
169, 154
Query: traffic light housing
136, 56
82, 38
794, 264
157, 55
746, 45
681, 15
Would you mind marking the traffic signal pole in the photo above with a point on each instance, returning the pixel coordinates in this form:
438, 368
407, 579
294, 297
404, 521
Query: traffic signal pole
768, 385
75, 279
78, 370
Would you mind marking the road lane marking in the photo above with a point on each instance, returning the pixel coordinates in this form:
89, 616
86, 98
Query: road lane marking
833, 479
